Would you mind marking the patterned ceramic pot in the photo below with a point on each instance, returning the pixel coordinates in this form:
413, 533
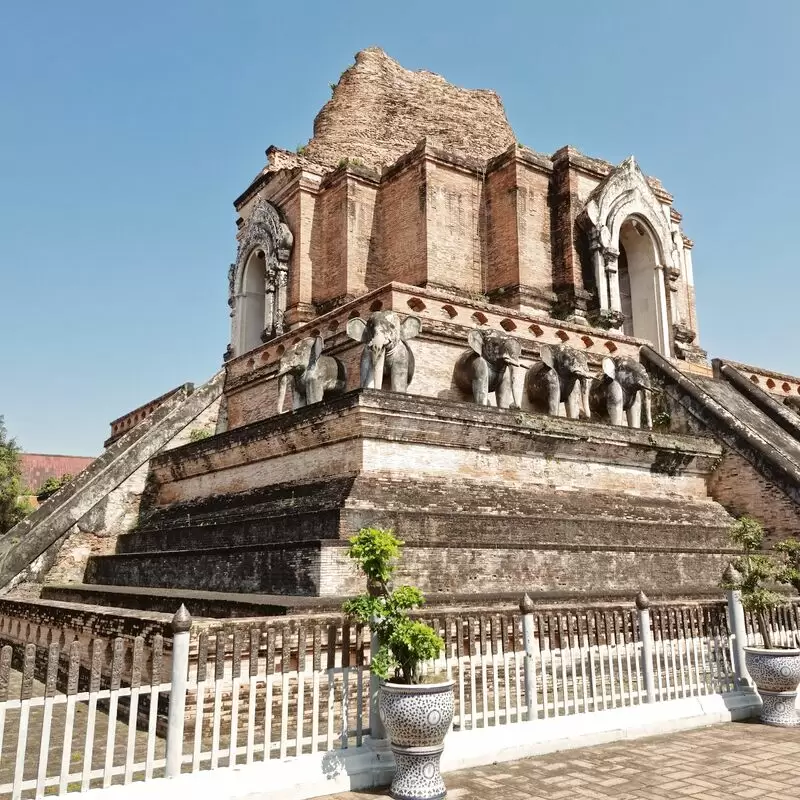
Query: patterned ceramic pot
776, 674
417, 719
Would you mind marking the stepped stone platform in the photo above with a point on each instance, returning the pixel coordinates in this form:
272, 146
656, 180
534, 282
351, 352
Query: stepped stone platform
488, 502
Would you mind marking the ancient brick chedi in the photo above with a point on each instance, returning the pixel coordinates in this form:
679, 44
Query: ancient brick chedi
412, 180
435, 328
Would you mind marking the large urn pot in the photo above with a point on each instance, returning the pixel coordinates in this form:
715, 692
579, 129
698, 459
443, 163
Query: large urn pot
416, 719
776, 674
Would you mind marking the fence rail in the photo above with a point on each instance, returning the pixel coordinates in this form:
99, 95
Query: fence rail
79, 714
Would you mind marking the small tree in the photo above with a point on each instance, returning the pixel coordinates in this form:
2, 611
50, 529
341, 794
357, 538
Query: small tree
52, 485
756, 570
789, 568
403, 643
12, 508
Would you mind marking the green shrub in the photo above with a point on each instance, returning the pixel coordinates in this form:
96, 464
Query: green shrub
52, 485
12, 507
756, 570
403, 643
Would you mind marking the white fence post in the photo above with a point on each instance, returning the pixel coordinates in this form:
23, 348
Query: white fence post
181, 625
376, 729
646, 635
741, 676
526, 607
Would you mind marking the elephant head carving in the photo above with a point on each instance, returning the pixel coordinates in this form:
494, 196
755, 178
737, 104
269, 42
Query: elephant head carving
624, 391
489, 367
562, 376
312, 374
386, 353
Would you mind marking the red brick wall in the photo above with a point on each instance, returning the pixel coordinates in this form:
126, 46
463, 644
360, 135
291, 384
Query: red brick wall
402, 228
37, 468
454, 225
533, 221
503, 241
742, 490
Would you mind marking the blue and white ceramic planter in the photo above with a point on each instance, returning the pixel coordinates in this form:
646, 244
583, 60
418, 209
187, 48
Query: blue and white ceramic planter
776, 674
416, 719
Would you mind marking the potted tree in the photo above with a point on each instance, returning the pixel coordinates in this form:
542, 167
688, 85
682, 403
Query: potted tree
775, 670
416, 715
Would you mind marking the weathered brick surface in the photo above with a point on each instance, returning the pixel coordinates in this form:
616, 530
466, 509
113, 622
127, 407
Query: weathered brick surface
401, 226
251, 384
742, 489
487, 501
455, 228
380, 110
387, 432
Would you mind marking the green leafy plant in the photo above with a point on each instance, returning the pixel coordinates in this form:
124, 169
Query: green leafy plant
755, 571
52, 485
12, 506
789, 566
350, 162
403, 643
301, 149
198, 434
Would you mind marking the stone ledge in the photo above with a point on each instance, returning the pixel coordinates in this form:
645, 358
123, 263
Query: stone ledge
388, 416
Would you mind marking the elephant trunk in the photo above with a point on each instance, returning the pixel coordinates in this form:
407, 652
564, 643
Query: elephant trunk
283, 382
586, 386
647, 394
512, 365
378, 357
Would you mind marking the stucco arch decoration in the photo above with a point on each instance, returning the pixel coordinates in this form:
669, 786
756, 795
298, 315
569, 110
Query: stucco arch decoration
625, 194
263, 231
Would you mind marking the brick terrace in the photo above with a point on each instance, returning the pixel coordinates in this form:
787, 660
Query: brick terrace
718, 763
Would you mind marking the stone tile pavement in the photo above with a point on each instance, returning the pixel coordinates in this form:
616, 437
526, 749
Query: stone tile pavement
735, 760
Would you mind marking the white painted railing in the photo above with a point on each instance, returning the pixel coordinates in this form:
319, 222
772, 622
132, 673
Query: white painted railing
82, 736
254, 691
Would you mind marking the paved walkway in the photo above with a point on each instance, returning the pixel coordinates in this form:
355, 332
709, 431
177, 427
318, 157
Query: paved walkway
719, 763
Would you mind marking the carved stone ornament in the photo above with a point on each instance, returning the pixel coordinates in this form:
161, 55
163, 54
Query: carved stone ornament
606, 319
625, 193
683, 334
264, 228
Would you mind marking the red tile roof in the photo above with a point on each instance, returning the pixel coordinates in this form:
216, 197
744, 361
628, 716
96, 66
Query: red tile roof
38, 467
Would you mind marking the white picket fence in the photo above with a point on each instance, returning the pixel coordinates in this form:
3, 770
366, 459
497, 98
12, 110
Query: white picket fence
263, 690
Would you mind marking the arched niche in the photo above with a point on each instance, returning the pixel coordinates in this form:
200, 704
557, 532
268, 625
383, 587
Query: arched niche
631, 247
253, 300
258, 279
639, 285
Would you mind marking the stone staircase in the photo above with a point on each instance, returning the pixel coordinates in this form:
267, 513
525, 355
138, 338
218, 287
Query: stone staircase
572, 507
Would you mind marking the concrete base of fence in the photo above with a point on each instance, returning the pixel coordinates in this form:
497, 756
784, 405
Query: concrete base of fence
511, 742
372, 764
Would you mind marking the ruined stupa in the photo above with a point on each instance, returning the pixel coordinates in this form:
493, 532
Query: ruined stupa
409, 264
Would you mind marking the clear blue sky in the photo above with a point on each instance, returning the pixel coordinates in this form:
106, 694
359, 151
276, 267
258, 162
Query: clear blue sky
127, 129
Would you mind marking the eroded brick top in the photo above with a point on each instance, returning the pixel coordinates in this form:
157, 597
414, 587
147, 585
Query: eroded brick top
380, 110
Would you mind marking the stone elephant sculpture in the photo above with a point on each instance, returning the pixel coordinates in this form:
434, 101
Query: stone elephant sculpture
489, 367
624, 390
562, 376
312, 375
386, 352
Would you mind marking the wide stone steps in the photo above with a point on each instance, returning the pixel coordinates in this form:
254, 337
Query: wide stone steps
431, 511
200, 603
225, 605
